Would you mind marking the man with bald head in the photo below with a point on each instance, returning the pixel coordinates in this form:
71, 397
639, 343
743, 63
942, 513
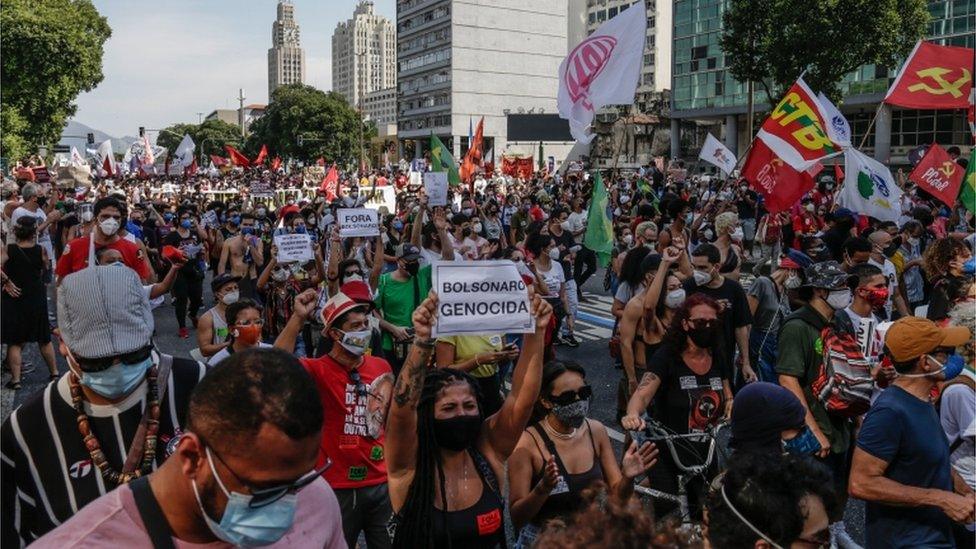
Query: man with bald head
884, 246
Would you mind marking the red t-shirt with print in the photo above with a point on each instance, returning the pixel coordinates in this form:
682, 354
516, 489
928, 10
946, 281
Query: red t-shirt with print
75, 257
353, 435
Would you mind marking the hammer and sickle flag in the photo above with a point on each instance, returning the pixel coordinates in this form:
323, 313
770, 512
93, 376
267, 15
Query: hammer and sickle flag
934, 77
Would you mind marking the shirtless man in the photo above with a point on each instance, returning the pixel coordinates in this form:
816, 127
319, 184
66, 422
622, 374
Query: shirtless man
246, 254
212, 326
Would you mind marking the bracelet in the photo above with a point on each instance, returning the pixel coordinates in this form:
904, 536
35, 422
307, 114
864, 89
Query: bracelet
428, 344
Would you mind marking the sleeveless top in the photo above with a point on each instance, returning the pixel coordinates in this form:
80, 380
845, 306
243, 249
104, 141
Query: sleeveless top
565, 498
731, 262
480, 526
219, 327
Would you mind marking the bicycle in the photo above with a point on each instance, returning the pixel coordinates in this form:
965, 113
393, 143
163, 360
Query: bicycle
654, 431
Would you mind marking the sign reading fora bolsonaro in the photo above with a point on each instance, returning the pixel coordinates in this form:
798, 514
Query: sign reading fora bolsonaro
480, 297
358, 222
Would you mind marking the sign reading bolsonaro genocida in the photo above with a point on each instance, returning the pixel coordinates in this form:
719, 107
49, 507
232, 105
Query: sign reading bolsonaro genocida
480, 297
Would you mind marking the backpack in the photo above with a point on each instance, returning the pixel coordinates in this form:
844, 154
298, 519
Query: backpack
844, 382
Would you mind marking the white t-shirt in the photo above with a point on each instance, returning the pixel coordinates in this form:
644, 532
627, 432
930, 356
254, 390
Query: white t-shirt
224, 353
888, 270
554, 277
43, 237
576, 223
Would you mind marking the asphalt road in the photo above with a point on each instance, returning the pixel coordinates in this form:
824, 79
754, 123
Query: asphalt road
593, 329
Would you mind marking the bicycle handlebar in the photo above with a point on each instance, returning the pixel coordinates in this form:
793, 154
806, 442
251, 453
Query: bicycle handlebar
654, 431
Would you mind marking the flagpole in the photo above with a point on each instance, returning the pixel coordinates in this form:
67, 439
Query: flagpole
871, 125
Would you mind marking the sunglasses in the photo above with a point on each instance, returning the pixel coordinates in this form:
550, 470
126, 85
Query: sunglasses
361, 389
347, 274
267, 496
703, 323
99, 364
569, 397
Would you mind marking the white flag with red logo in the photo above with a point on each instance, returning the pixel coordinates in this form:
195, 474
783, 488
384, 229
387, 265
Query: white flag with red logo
717, 154
604, 69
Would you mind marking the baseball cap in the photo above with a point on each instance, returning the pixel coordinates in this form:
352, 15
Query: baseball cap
103, 312
337, 306
911, 337
827, 275
358, 291
788, 263
222, 280
407, 252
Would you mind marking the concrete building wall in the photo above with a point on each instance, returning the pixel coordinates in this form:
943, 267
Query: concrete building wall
363, 54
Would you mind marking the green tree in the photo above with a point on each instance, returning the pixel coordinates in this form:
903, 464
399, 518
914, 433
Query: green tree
305, 123
771, 42
209, 137
52, 51
171, 136
12, 140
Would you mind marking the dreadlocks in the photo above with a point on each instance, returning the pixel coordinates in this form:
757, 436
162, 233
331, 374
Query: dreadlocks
415, 525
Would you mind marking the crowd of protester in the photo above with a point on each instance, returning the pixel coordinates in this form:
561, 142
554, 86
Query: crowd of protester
317, 410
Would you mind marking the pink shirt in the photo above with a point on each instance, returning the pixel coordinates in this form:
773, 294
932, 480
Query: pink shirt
113, 521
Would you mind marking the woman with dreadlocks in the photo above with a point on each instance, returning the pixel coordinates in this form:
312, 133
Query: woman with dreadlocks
443, 457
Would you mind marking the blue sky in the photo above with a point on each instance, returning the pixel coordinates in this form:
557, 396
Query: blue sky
164, 65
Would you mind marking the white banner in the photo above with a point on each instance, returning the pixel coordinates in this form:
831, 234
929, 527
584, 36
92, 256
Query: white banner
209, 219
717, 154
293, 247
603, 69
261, 189
480, 297
358, 222
435, 185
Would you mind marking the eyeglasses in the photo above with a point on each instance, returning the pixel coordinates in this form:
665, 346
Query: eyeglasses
266, 496
569, 397
99, 364
703, 323
257, 322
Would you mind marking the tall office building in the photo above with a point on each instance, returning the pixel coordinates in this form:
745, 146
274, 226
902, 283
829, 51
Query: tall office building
460, 60
704, 91
286, 58
363, 54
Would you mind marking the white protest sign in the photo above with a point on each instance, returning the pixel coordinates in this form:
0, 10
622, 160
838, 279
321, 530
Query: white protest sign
293, 247
358, 222
480, 297
435, 185
261, 189
210, 219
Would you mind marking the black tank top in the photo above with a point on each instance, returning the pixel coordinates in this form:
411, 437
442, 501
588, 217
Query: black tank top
564, 500
480, 526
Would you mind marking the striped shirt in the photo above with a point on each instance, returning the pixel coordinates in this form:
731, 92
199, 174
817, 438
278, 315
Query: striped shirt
47, 475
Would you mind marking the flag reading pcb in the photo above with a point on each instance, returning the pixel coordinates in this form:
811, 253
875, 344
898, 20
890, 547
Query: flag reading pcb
480, 297
358, 222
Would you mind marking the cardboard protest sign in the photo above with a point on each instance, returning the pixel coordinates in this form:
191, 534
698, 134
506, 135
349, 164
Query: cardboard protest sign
209, 219
293, 247
480, 297
435, 185
261, 189
358, 222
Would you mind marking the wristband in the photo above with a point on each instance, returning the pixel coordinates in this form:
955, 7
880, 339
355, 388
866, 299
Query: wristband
428, 344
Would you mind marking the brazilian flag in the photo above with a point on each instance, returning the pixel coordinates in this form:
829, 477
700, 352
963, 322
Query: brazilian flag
441, 161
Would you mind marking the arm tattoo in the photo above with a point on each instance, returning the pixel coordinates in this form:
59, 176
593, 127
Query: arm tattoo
411, 377
646, 380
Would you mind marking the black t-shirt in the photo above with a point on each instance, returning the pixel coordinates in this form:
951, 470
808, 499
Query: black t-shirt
565, 240
687, 402
735, 312
747, 211
187, 244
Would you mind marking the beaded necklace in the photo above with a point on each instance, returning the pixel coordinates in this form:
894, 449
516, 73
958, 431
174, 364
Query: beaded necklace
95, 449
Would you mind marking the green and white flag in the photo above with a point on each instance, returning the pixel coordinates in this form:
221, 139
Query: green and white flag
442, 161
869, 188
599, 225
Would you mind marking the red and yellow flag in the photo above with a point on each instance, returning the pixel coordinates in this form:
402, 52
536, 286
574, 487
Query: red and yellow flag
796, 129
938, 175
473, 158
934, 77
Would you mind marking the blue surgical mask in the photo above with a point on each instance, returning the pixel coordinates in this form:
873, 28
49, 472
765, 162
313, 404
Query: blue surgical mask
117, 380
398, 225
804, 444
969, 267
244, 526
186, 224
300, 229
247, 230
168, 217
236, 220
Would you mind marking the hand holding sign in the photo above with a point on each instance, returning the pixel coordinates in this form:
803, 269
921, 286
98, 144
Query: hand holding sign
481, 297
541, 310
435, 186
358, 222
293, 247
424, 316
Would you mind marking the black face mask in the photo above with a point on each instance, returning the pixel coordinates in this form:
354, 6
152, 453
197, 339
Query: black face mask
42, 201
891, 249
458, 432
412, 268
702, 337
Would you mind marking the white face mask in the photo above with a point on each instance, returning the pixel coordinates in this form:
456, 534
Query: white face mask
564, 225
109, 227
230, 297
701, 277
675, 298
628, 239
87, 216
737, 235
554, 253
838, 299
476, 228
810, 208
792, 282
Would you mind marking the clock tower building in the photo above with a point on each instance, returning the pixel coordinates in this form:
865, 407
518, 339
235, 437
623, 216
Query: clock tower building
286, 58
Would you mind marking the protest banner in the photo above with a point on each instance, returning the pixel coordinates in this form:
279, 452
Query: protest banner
261, 189
480, 297
209, 219
293, 247
435, 185
358, 222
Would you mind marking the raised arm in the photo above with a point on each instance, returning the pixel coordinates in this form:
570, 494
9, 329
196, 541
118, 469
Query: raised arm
265, 275
416, 229
303, 307
447, 248
503, 428
378, 259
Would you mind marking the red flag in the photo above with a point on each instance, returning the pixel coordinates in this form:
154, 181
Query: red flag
275, 163
108, 167
262, 155
838, 174
329, 183
934, 77
489, 169
780, 185
938, 175
218, 161
236, 158
191, 169
473, 159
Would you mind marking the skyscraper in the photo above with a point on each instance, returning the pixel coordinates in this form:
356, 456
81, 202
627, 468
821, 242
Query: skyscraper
286, 58
363, 54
